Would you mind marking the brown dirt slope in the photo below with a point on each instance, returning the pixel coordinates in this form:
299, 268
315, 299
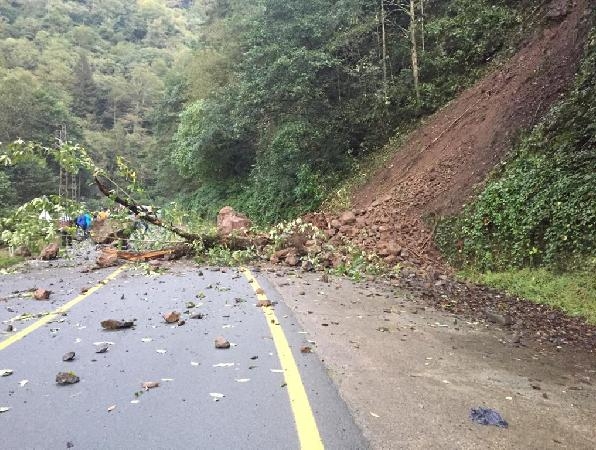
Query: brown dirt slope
442, 163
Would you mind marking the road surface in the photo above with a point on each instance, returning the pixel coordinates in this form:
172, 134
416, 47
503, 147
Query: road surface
261, 393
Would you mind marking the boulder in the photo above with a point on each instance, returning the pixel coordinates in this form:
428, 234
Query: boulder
229, 220
108, 231
107, 258
292, 260
50, 252
347, 218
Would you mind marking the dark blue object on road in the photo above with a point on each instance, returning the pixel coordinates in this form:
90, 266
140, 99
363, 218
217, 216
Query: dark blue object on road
487, 416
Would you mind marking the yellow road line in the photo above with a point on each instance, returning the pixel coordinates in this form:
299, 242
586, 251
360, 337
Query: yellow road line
62, 309
306, 426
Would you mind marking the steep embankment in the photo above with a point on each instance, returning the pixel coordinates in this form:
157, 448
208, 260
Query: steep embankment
440, 165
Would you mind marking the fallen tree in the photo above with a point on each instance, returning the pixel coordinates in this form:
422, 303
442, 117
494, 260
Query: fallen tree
232, 238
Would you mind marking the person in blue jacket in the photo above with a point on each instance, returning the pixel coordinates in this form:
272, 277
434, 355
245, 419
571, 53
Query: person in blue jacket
83, 222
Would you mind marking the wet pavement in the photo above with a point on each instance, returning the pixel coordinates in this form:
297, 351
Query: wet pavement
206, 398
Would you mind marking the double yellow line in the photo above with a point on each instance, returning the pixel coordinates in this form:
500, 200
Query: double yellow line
51, 316
306, 425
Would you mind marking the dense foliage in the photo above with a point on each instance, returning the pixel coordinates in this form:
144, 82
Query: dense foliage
263, 104
88, 71
294, 91
540, 208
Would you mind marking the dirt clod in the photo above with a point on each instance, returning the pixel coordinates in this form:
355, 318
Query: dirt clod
112, 324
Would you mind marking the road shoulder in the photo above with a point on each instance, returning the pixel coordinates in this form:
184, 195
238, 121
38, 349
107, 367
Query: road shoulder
410, 374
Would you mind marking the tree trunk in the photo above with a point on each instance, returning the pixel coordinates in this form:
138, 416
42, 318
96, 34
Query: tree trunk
384, 47
208, 241
414, 50
422, 24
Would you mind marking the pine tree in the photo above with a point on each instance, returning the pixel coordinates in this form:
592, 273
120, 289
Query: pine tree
84, 89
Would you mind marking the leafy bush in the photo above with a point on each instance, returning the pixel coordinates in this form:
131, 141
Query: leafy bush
540, 210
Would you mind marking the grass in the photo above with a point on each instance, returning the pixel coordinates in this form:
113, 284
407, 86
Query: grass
574, 293
6, 260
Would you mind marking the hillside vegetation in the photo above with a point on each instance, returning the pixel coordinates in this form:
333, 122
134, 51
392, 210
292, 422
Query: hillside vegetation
88, 71
292, 93
539, 208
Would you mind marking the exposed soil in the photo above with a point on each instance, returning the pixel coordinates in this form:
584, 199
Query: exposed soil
449, 157
442, 163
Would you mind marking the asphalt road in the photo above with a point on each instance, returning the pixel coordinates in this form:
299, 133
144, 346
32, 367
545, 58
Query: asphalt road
249, 396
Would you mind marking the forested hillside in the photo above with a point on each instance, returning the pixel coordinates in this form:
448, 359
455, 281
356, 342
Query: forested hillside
87, 71
266, 105
290, 94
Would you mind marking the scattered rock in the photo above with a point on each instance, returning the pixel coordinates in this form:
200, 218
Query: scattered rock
181, 322
263, 303
305, 349
221, 342
112, 324
292, 260
498, 318
9, 328
5, 372
150, 385
41, 294
102, 348
50, 252
171, 316
198, 316
307, 266
347, 218
67, 378
68, 356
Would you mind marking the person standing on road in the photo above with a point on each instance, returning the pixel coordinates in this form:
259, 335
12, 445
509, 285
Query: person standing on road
83, 223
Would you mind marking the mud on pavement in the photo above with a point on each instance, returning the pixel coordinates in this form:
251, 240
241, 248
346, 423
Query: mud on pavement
411, 373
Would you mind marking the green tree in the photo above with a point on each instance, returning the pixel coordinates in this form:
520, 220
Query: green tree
83, 89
